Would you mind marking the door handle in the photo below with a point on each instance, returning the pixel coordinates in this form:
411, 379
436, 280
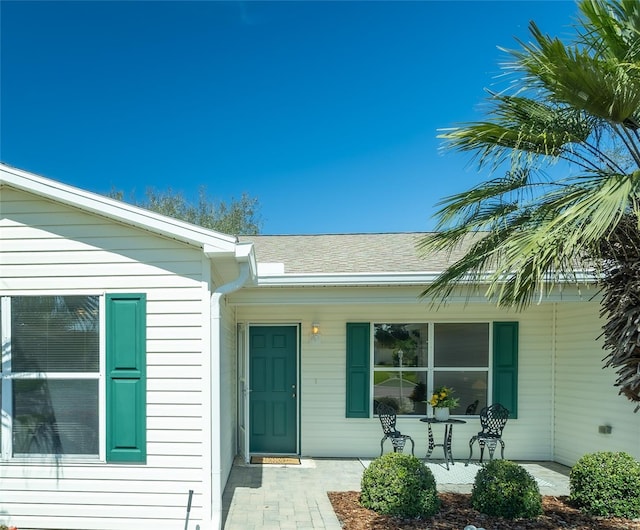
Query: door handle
293, 388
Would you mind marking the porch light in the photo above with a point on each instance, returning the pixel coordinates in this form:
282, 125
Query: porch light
315, 331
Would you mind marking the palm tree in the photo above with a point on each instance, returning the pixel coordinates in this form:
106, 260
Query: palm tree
574, 107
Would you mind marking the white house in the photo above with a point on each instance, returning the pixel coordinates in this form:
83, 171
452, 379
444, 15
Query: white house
141, 354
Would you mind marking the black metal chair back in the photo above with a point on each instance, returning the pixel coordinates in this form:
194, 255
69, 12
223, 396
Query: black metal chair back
387, 416
492, 420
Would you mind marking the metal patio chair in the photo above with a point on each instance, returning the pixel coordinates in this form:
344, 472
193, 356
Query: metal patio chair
387, 416
493, 420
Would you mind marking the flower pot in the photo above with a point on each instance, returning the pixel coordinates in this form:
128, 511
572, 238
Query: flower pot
441, 413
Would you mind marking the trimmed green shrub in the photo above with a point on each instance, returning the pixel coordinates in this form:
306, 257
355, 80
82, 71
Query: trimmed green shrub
505, 489
400, 485
606, 484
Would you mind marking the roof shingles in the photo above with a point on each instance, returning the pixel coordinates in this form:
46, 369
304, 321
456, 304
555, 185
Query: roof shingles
349, 253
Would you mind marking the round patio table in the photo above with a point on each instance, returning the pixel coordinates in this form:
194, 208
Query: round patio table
446, 442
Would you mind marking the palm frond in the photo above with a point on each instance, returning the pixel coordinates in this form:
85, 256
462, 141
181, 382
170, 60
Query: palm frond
606, 88
529, 246
468, 205
520, 131
611, 29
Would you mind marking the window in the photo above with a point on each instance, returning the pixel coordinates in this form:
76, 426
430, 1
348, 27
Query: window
50, 375
410, 360
57, 395
457, 355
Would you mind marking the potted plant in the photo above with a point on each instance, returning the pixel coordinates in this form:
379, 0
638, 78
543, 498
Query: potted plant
442, 401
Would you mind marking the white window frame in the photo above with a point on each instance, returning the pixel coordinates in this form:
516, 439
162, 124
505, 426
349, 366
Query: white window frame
430, 369
7, 377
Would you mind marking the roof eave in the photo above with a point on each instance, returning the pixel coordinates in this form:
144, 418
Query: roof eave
348, 279
387, 279
116, 210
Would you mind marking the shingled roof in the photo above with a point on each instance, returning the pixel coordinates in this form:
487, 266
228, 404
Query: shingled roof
350, 253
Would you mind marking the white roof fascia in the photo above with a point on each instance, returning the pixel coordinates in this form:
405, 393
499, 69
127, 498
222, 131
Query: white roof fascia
394, 278
116, 210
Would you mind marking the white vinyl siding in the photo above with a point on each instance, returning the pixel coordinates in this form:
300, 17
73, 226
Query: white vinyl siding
48, 248
585, 397
322, 389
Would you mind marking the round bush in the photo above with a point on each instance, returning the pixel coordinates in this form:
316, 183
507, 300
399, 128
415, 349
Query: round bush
400, 485
505, 489
606, 484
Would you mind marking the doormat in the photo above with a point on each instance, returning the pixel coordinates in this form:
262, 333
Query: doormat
290, 460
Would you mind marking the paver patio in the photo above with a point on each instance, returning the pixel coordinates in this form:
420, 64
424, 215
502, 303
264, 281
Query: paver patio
295, 496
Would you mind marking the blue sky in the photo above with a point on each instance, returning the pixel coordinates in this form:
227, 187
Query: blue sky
327, 112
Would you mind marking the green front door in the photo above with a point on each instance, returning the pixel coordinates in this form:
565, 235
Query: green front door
273, 397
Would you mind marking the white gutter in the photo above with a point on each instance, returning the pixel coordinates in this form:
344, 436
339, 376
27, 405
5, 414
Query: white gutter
246, 260
387, 278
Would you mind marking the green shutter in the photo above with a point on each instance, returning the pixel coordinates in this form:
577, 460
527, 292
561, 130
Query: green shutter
505, 366
358, 380
126, 377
